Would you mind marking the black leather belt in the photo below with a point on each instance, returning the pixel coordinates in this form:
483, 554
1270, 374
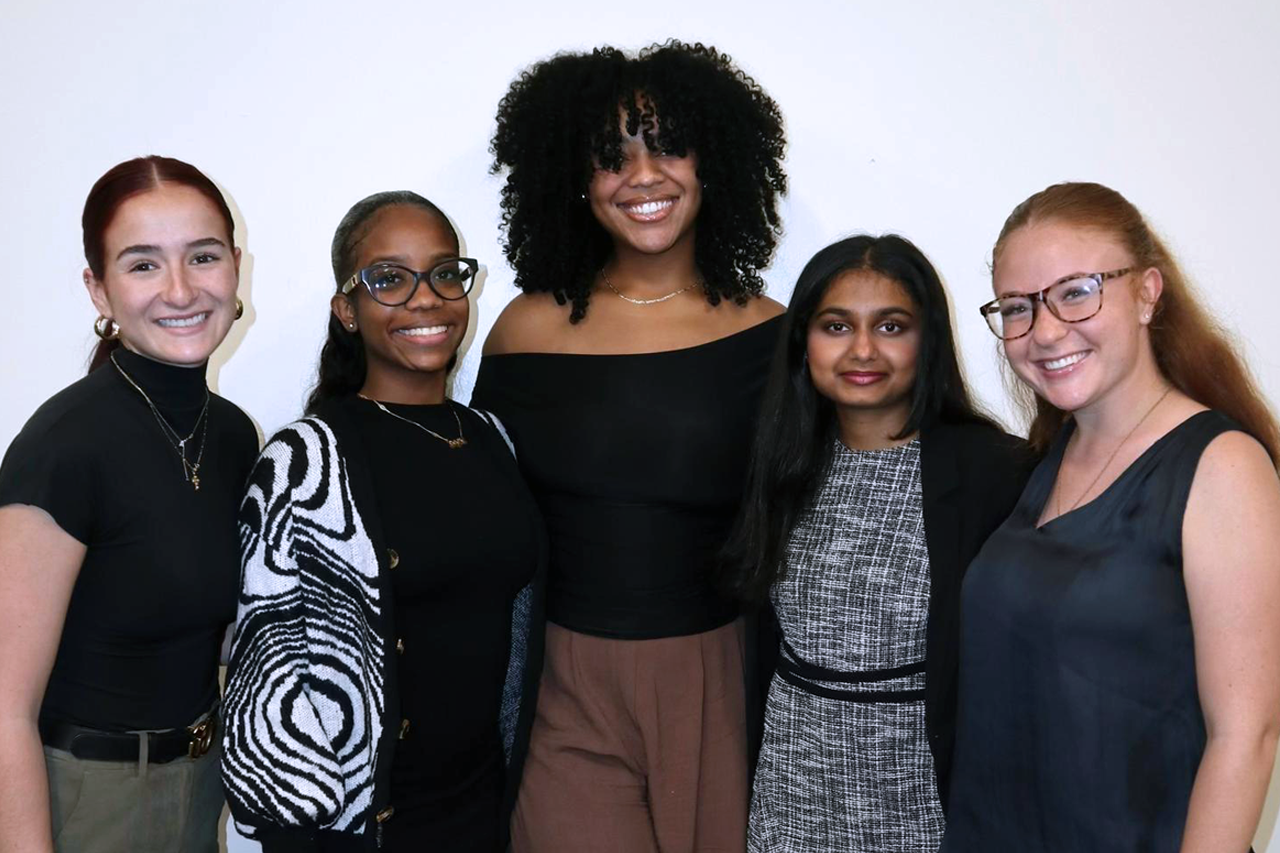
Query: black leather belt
162, 747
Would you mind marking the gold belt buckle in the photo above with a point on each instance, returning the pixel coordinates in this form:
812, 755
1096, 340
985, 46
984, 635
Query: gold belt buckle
202, 736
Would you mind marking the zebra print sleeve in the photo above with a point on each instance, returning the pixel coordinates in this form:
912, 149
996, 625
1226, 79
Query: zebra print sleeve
304, 699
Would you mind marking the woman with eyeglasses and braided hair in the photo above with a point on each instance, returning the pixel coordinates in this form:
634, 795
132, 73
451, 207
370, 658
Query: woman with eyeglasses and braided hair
388, 639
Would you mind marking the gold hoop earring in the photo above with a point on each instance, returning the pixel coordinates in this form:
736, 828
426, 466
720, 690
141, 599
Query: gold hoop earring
106, 328
239, 308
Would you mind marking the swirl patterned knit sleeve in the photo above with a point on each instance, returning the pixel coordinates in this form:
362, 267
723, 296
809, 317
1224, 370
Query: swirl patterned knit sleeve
304, 698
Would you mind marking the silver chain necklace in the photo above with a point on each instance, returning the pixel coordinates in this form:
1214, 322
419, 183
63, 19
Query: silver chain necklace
454, 443
672, 295
190, 470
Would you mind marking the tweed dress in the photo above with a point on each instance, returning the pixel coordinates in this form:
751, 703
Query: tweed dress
845, 764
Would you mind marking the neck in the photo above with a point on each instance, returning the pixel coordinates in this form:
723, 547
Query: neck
168, 386
1116, 415
872, 429
420, 389
644, 276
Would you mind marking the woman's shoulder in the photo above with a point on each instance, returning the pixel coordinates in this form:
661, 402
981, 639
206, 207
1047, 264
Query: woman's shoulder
982, 440
76, 412
530, 323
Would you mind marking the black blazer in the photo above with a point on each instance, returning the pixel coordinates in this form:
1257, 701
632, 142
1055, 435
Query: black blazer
971, 475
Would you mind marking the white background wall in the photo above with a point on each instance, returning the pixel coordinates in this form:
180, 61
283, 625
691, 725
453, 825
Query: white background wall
928, 118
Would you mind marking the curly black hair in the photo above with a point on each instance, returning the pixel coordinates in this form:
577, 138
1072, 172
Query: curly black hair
561, 117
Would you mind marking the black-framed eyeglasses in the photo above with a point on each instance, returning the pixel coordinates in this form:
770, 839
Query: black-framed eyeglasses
393, 284
1072, 299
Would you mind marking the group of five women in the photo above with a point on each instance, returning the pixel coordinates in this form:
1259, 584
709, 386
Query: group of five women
692, 573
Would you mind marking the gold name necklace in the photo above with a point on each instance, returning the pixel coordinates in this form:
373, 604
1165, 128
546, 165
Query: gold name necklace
454, 443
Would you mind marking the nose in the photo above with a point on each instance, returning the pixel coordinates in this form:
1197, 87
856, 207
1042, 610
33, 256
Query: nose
862, 346
644, 170
1048, 329
178, 290
423, 297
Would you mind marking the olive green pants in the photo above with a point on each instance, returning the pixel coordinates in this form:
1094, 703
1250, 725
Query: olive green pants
134, 807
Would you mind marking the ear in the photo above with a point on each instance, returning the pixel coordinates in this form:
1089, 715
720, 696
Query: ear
344, 311
235, 254
1150, 286
97, 293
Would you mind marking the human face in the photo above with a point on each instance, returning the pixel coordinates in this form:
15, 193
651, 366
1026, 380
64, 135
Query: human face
170, 275
864, 339
1075, 365
651, 203
404, 342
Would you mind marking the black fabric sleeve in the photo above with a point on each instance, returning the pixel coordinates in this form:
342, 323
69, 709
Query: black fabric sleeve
49, 467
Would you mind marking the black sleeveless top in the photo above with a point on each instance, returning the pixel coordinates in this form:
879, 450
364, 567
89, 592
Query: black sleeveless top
1079, 725
158, 585
638, 463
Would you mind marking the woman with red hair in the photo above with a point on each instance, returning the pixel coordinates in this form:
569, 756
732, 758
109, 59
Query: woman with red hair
1120, 652
119, 559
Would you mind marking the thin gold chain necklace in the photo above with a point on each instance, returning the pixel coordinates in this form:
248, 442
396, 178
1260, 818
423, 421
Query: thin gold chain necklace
454, 443
1112, 457
672, 295
190, 470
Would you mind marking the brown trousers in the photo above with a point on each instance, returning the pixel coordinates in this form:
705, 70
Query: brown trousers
638, 746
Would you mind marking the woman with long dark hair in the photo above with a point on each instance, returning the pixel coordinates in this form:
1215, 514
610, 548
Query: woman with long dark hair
118, 551
873, 480
640, 208
1119, 687
388, 642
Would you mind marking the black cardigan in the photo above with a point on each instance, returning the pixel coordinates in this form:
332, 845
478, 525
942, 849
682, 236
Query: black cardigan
285, 462
971, 475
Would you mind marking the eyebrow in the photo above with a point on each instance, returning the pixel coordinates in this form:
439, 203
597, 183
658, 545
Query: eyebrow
403, 260
837, 311
152, 249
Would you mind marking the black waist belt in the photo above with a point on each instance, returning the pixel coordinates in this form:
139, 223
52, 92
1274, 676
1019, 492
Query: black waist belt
162, 747
801, 674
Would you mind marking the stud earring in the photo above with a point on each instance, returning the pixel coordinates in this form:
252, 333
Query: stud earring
239, 308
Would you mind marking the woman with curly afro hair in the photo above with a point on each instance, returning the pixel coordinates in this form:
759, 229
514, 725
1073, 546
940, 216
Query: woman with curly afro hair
640, 206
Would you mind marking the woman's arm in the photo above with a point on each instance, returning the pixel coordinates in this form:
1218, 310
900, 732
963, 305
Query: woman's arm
39, 563
302, 715
1231, 563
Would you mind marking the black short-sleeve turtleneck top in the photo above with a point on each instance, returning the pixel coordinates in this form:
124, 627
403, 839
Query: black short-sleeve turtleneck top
158, 585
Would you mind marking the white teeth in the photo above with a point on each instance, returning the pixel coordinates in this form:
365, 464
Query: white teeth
1065, 361
175, 323
423, 331
649, 208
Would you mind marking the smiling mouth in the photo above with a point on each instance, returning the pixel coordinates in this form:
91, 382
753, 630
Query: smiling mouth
857, 377
422, 331
1066, 361
648, 210
183, 322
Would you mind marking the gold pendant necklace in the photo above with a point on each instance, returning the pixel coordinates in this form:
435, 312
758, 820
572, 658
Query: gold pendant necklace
454, 443
190, 470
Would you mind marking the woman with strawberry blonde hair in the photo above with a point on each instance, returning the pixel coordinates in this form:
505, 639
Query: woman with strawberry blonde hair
1120, 651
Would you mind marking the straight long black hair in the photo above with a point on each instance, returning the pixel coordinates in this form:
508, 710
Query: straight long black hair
797, 430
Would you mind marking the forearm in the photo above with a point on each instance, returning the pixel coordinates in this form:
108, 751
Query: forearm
25, 826
1229, 790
